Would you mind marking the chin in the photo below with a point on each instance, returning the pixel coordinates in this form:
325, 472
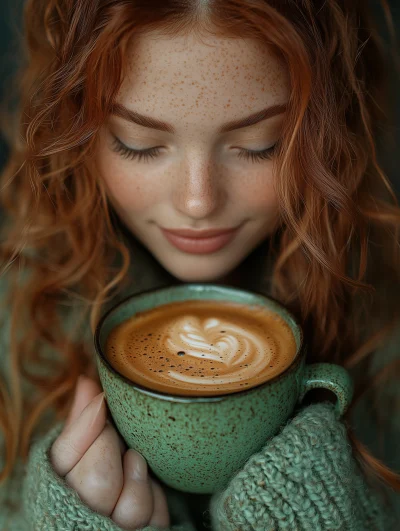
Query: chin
198, 273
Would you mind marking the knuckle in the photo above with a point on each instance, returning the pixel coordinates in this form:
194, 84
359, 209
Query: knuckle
98, 481
100, 471
137, 492
65, 447
103, 477
97, 476
70, 446
98, 487
135, 506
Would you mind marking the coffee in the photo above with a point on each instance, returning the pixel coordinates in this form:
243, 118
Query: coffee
201, 347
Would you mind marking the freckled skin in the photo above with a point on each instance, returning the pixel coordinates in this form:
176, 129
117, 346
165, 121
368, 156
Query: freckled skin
198, 180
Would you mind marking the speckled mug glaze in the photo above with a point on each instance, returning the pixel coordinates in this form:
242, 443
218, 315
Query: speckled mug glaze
196, 444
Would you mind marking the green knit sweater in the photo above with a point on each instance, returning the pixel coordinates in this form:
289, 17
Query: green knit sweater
305, 478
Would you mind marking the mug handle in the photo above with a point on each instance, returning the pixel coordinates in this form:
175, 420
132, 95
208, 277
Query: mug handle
332, 377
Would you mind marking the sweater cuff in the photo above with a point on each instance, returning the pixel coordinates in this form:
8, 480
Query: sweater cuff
304, 478
50, 503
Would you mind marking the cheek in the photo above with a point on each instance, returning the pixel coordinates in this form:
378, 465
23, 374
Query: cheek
258, 193
125, 185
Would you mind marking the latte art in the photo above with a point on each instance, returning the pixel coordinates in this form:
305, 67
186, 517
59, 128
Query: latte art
222, 341
201, 347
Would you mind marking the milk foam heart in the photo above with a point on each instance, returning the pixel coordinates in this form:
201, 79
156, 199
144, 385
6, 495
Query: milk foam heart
201, 347
224, 342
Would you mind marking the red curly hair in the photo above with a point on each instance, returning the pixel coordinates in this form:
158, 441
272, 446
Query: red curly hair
337, 263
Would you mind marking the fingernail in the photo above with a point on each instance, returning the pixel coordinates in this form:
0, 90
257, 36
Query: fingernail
139, 467
97, 402
93, 408
75, 395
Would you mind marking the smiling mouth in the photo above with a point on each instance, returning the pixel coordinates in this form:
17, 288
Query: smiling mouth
200, 242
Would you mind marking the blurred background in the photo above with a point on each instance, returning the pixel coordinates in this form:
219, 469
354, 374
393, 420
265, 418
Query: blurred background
10, 32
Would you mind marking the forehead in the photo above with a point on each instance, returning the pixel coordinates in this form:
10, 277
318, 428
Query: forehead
212, 80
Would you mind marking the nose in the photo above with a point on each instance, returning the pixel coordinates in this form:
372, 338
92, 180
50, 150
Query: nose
197, 193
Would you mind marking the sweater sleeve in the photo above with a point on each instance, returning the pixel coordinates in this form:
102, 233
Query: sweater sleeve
49, 502
307, 478
304, 478
34, 497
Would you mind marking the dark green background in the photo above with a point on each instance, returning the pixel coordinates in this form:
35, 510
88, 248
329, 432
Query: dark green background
10, 29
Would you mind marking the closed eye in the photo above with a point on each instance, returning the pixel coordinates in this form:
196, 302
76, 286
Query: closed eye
152, 153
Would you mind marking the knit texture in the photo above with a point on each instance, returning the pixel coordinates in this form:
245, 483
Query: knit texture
51, 505
303, 479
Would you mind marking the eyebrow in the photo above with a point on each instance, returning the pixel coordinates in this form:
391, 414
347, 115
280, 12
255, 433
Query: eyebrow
147, 121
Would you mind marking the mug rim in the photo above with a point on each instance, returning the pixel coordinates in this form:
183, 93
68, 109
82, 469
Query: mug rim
208, 398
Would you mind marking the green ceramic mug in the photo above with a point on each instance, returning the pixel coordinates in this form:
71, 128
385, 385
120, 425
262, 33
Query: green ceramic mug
196, 444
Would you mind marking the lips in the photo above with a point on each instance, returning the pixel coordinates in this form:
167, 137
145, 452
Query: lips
199, 242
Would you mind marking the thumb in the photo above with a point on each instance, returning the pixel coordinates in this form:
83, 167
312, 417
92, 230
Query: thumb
86, 389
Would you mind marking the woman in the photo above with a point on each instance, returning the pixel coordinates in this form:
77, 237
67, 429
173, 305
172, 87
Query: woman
141, 127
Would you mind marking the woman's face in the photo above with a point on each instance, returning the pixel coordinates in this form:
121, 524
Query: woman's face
199, 178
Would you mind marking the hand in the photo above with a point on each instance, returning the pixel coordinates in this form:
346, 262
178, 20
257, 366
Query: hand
93, 458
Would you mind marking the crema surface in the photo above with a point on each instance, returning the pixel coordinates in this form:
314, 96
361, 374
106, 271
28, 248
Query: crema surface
201, 347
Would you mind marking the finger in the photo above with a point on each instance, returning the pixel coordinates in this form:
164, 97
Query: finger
86, 389
160, 516
135, 504
98, 477
75, 440
122, 444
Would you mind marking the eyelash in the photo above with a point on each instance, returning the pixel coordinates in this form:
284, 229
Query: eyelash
151, 153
